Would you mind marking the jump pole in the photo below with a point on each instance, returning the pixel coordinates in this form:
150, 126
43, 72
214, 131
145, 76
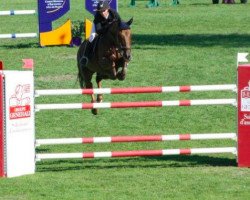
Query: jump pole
163, 152
18, 35
17, 12
40, 107
141, 138
134, 90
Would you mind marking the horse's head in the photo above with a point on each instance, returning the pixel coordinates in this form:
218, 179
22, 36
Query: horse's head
124, 38
120, 33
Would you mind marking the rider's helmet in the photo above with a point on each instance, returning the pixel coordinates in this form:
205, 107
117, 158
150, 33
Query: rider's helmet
103, 5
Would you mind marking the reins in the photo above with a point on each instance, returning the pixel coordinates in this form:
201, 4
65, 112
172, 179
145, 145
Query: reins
115, 38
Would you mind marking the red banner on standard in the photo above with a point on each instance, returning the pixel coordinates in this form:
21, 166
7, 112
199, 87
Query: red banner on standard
244, 115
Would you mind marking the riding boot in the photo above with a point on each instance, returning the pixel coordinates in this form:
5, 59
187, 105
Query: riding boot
85, 57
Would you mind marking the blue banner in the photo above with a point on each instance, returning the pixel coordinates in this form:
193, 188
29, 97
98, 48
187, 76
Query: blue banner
91, 5
49, 11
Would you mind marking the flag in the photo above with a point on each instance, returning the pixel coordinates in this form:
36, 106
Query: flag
28, 63
242, 57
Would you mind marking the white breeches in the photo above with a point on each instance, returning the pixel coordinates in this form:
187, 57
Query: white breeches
93, 33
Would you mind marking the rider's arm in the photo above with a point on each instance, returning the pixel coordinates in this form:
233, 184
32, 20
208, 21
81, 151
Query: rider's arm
97, 23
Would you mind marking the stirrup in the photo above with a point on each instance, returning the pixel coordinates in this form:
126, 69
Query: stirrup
84, 60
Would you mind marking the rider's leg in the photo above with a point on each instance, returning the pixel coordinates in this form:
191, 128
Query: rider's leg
87, 51
92, 34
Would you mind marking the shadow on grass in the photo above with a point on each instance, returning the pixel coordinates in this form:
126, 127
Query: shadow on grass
201, 4
27, 46
21, 45
142, 162
196, 40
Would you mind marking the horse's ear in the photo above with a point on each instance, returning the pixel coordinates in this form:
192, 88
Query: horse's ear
130, 21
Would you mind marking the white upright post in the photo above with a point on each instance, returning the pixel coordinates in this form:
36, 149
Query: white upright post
18, 135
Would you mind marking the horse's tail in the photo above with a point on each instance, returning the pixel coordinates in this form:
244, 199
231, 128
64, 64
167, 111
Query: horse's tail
80, 65
80, 79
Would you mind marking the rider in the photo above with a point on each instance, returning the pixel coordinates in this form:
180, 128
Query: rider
104, 15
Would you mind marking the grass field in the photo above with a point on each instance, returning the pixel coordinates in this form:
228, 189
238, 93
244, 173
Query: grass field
194, 43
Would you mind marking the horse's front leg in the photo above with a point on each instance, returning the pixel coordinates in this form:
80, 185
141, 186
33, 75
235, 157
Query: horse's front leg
121, 75
89, 85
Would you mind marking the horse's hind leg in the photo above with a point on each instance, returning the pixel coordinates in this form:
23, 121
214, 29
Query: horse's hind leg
93, 100
99, 85
88, 84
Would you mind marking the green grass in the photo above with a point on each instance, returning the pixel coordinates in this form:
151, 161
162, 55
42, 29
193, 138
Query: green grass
194, 43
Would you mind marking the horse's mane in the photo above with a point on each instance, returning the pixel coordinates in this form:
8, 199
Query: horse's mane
119, 25
113, 26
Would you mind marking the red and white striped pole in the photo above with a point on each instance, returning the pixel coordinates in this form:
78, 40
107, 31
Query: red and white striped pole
141, 138
136, 153
39, 107
133, 90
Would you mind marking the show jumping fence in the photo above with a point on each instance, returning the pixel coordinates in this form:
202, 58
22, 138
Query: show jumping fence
133, 90
18, 35
147, 138
119, 139
23, 143
47, 12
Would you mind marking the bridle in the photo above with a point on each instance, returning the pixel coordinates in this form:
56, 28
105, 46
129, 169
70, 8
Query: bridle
122, 48
119, 47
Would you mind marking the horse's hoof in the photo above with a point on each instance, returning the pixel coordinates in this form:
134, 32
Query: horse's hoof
121, 76
99, 100
94, 111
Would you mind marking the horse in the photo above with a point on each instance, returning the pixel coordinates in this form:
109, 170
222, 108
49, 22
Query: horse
111, 55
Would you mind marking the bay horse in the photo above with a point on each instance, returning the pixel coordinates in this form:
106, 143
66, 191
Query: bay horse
111, 55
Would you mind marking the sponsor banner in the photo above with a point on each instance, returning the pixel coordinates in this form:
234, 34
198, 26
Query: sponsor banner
19, 117
19, 102
49, 11
244, 115
245, 98
18, 112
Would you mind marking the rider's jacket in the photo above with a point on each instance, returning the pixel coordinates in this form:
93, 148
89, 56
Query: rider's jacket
101, 23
